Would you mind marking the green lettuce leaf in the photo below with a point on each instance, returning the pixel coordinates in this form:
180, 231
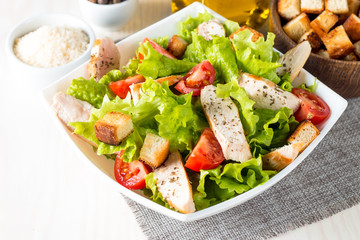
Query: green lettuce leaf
89, 91
172, 117
191, 23
285, 83
311, 88
231, 27
112, 76
218, 51
156, 65
256, 57
131, 144
162, 41
273, 128
222, 183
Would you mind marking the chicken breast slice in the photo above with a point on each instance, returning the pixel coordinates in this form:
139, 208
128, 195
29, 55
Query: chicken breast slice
211, 28
70, 109
173, 184
105, 57
225, 122
280, 158
267, 94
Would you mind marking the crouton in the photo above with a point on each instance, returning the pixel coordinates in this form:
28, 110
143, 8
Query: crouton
288, 9
314, 40
324, 22
337, 6
312, 6
280, 158
177, 46
113, 128
354, 6
324, 53
352, 27
297, 27
357, 49
154, 150
350, 57
305, 133
254, 38
338, 43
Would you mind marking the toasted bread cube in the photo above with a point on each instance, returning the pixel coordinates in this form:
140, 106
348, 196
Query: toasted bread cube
113, 128
314, 40
288, 9
354, 6
312, 6
324, 53
337, 6
338, 43
254, 38
352, 27
177, 46
324, 22
350, 57
305, 133
154, 150
357, 49
280, 158
297, 27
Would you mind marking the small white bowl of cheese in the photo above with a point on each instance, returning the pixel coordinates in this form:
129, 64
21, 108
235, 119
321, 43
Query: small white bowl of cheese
45, 47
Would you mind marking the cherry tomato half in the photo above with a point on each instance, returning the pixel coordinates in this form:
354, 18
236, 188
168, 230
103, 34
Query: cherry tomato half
207, 153
157, 48
122, 87
130, 175
312, 107
199, 76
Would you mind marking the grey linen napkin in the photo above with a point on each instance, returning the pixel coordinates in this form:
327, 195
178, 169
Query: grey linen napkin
325, 183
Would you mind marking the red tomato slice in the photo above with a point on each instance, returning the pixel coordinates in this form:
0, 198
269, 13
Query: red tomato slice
207, 153
199, 76
122, 87
130, 175
157, 48
181, 87
312, 107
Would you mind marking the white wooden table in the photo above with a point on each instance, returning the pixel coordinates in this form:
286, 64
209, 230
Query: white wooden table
46, 191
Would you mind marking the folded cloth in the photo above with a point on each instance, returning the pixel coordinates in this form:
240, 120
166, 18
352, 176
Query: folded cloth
325, 183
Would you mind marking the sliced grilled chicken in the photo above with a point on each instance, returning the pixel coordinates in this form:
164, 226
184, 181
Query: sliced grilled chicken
173, 184
267, 94
280, 158
211, 28
105, 57
294, 60
225, 122
70, 109
135, 89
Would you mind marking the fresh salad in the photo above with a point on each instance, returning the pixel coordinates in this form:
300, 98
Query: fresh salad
196, 118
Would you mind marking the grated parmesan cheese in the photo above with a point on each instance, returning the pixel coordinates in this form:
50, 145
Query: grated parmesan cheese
51, 46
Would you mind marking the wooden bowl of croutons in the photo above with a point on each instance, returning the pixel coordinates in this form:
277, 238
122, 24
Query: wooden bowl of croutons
332, 28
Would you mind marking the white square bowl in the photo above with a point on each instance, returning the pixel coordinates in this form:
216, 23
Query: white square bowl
105, 167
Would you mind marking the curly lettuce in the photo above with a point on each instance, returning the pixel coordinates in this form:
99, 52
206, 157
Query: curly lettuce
89, 91
156, 65
225, 182
258, 57
190, 24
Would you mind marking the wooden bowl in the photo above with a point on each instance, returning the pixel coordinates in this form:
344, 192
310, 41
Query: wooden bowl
341, 76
